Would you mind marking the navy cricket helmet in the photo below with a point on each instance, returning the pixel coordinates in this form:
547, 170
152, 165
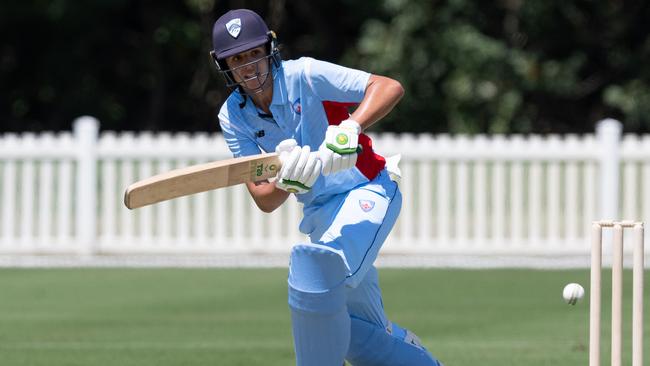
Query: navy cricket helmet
238, 31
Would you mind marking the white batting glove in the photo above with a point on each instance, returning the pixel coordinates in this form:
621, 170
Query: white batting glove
300, 167
340, 148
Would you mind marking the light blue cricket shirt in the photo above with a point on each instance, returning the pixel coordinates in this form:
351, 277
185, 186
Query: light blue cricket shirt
308, 96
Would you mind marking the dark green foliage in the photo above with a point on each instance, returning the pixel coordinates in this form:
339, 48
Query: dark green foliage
467, 66
512, 66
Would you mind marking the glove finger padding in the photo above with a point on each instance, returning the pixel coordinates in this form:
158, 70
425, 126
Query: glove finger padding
353, 160
336, 162
345, 162
286, 146
326, 160
307, 170
289, 163
312, 170
284, 149
298, 170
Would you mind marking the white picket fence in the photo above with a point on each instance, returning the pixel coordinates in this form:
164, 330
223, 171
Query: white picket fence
482, 195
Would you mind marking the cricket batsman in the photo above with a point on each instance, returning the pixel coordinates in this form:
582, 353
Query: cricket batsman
299, 108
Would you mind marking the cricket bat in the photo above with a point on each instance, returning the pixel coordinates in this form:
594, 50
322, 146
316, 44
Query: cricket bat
200, 178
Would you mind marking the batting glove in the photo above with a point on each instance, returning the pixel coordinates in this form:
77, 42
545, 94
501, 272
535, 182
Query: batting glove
340, 148
300, 167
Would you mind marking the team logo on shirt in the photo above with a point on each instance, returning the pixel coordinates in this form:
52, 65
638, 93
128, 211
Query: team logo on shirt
366, 205
296, 106
234, 27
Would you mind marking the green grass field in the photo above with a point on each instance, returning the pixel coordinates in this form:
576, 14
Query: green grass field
240, 317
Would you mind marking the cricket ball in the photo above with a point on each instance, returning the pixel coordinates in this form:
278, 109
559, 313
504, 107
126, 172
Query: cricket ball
572, 293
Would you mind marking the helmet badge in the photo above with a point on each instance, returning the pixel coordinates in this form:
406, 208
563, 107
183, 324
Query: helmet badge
234, 27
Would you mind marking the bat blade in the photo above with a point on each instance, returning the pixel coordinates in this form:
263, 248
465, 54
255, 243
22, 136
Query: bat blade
200, 178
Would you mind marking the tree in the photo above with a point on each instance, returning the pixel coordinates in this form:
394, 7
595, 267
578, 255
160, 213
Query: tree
517, 66
467, 66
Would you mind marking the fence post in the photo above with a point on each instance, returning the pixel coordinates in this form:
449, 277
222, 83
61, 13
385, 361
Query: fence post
86, 132
609, 132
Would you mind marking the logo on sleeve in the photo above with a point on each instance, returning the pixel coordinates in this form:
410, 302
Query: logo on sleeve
234, 27
366, 205
297, 108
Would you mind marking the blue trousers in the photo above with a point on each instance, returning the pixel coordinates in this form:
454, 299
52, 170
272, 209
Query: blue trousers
334, 294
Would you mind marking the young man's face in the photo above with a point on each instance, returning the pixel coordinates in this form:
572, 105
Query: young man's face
250, 68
